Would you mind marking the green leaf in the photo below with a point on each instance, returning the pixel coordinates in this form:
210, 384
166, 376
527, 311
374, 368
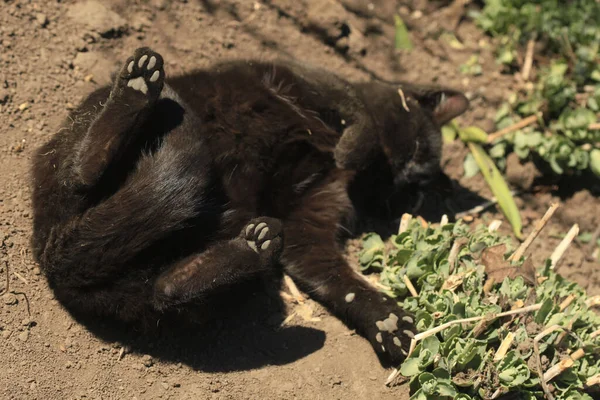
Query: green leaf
470, 166
473, 134
402, 38
372, 253
449, 132
410, 367
595, 161
498, 186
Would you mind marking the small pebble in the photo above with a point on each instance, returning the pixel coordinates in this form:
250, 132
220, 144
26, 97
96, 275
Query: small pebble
147, 361
350, 297
41, 19
23, 336
6, 334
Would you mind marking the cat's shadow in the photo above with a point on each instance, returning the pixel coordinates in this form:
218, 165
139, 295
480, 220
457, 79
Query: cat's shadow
249, 336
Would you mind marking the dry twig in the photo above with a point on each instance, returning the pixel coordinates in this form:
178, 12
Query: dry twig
538, 228
563, 246
404, 221
525, 72
538, 359
410, 286
403, 99
440, 328
515, 127
293, 289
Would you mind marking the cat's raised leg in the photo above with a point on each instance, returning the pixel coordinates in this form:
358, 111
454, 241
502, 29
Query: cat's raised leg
255, 250
135, 90
313, 259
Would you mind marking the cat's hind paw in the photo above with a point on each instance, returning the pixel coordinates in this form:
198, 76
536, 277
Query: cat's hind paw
264, 236
143, 73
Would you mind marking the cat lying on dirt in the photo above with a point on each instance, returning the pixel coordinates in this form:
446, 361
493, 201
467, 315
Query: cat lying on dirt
154, 198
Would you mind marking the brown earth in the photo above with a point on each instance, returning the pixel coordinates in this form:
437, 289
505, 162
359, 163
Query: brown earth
52, 53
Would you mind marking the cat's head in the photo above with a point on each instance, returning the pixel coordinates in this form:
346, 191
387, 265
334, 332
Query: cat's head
407, 138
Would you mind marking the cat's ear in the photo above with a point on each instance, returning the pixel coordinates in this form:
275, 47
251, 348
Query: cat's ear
445, 104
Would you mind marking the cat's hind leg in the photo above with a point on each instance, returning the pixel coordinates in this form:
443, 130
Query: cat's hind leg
254, 251
135, 91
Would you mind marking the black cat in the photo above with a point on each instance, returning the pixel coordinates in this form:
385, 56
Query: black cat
154, 198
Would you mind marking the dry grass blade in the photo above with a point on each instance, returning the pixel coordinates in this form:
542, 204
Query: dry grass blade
536, 350
563, 365
494, 225
526, 71
504, 346
404, 221
594, 380
538, 228
403, 99
593, 301
293, 289
410, 286
563, 246
440, 328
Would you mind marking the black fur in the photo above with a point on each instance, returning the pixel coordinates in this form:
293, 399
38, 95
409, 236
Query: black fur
149, 202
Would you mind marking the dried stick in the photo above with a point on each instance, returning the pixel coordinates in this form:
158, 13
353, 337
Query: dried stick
494, 225
538, 359
504, 346
594, 127
456, 246
410, 286
293, 289
528, 60
444, 220
593, 301
566, 302
594, 380
563, 246
595, 334
515, 127
440, 328
538, 227
404, 221
404, 105
564, 364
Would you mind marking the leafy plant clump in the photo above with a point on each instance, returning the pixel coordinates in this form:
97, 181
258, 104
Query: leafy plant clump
459, 273
566, 37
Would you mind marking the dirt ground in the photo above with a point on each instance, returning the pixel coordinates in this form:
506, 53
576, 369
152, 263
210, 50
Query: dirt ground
52, 53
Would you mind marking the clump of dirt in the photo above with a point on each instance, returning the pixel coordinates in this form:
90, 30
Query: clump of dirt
53, 53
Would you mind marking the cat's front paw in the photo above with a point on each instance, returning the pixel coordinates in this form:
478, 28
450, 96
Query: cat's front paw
265, 236
143, 73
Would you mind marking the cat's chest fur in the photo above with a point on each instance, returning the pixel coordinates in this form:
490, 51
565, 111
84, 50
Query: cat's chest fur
268, 144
